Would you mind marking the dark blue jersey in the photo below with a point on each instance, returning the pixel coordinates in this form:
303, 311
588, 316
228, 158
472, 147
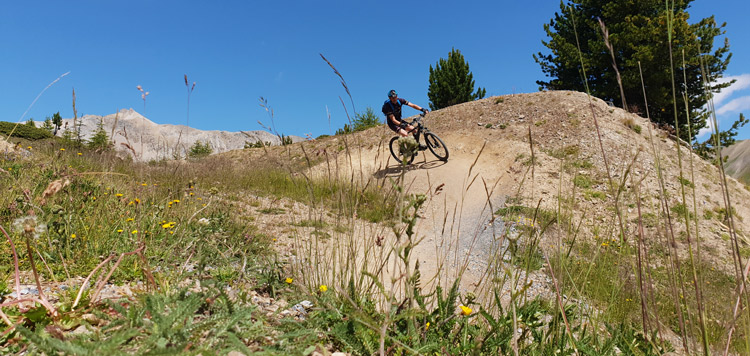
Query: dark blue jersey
395, 109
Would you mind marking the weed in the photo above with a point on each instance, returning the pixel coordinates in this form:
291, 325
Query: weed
582, 181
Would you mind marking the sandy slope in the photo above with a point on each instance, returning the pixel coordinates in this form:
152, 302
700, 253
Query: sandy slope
738, 163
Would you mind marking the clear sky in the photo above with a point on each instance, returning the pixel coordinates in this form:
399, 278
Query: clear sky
238, 51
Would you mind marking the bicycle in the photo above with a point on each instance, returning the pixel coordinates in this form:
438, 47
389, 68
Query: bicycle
432, 142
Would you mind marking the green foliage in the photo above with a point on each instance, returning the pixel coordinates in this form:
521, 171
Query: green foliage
285, 140
362, 121
582, 181
56, 121
639, 34
707, 149
100, 140
257, 144
23, 131
171, 323
30, 122
451, 82
47, 125
200, 149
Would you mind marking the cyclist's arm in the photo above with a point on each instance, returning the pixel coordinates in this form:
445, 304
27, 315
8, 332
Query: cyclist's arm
415, 106
392, 119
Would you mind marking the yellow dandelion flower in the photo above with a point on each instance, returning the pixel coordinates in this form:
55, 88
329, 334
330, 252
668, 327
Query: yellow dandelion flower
137, 201
177, 200
323, 288
465, 310
134, 232
80, 154
62, 149
191, 194
289, 280
171, 232
119, 230
427, 326
144, 184
200, 198
93, 198
130, 202
119, 195
72, 236
28, 147
129, 219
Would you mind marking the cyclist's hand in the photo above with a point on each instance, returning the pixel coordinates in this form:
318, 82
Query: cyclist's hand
424, 111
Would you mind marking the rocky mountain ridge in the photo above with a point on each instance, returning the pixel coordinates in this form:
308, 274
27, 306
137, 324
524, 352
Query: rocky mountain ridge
138, 137
738, 161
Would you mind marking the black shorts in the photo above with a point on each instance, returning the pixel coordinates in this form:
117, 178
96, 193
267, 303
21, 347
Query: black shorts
393, 126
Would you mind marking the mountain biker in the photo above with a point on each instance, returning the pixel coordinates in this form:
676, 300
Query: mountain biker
392, 111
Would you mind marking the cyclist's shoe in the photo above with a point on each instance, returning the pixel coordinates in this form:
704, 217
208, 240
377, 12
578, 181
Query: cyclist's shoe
422, 147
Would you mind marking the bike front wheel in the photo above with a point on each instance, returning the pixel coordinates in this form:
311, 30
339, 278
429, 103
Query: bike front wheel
396, 152
436, 146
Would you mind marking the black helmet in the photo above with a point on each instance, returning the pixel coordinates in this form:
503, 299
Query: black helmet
392, 93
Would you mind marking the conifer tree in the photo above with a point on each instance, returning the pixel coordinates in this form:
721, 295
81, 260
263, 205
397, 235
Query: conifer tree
451, 82
100, 140
639, 33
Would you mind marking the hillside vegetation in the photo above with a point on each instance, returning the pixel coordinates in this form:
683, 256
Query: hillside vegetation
559, 225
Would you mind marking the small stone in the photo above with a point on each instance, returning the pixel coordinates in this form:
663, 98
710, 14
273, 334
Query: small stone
235, 353
81, 330
91, 319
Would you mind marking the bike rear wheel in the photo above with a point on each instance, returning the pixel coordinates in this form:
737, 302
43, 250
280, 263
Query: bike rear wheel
396, 152
436, 146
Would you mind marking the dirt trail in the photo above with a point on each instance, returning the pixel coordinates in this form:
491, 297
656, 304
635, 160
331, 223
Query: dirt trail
455, 222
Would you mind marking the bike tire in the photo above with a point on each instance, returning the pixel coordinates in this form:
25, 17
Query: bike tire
436, 146
396, 153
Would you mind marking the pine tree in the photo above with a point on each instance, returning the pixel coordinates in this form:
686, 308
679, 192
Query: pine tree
47, 125
57, 121
100, 140
639, 33
451, 82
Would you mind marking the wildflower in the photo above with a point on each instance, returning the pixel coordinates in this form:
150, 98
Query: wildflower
191, 194
28, 147
169, 225
177, 200
323, 288
203, 221
119, 230
144, 184
128, 219
29, 226
62, 149
130, 202
289, 280
427, 326
72, 236
465, 310
171, 232
119, 195
137, 201
80, 154
134, 232
93, 198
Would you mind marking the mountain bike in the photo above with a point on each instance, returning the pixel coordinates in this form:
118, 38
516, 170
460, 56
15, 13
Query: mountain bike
431, 140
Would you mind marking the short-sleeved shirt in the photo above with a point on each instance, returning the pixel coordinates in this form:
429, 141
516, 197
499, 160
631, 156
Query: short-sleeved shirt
395, 109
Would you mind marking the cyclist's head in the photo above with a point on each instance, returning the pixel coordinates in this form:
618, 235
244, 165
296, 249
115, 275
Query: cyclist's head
392, 93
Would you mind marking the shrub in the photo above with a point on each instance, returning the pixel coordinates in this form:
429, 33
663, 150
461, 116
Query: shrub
23, 131
200, 149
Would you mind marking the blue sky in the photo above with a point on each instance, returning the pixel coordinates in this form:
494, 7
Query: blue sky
238, 51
